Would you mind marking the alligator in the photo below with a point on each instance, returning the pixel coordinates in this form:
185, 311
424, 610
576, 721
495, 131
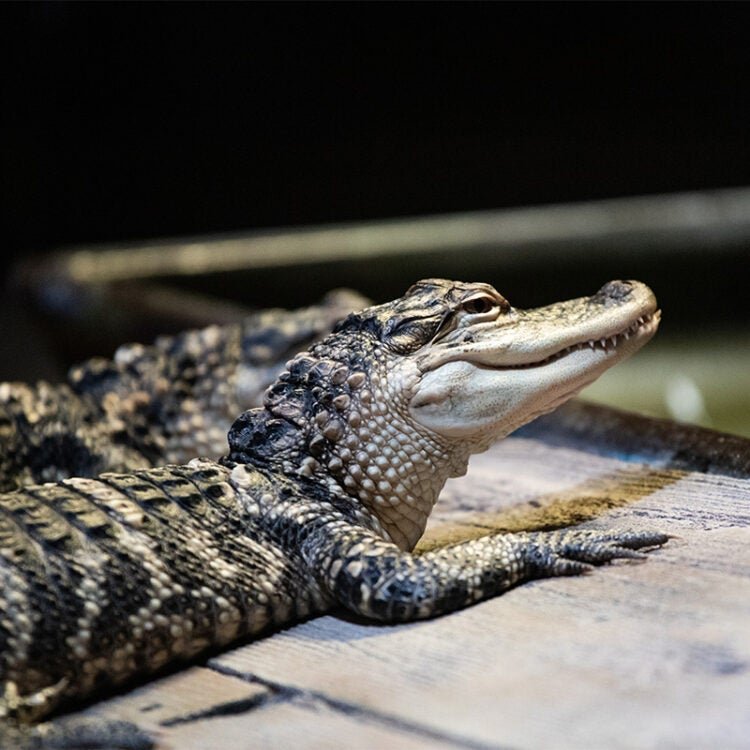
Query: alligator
318, 503
158, 404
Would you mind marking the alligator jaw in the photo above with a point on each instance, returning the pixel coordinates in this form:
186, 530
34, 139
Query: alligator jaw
489, 379
642, 329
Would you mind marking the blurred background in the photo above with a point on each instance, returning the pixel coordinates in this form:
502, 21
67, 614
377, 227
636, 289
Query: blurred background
545, 148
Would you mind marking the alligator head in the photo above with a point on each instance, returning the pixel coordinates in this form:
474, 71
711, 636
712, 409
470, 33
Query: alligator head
397, 398
492, 368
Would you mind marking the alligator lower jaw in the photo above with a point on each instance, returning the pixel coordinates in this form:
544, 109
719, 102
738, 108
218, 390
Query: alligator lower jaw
644, 325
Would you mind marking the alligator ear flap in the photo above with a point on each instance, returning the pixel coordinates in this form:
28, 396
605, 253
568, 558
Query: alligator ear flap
447, 324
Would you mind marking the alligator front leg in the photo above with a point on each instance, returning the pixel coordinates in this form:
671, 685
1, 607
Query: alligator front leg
377, 580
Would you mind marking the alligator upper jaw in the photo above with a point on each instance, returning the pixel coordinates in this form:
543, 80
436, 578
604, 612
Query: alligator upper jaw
534, 338
631, 337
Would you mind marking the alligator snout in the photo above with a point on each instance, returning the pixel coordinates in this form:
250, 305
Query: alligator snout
615, 291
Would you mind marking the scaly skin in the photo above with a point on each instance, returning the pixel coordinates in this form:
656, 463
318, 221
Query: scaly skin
152, 405
324, 493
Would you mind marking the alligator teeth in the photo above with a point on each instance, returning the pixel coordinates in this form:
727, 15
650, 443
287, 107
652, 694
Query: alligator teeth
606, 344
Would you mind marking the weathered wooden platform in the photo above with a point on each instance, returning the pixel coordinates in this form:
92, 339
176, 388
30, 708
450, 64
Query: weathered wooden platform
653, 655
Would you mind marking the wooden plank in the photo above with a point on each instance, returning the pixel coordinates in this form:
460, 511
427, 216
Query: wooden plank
308, 723
633, 656
517, 237
202, 708
191, 693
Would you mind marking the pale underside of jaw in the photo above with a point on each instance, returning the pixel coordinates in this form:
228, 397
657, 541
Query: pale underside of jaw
470, 398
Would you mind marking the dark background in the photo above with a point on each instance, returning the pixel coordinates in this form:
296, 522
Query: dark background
133, 121
144, 120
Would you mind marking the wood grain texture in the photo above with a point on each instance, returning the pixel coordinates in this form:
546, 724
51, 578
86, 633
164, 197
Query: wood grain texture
183, 697
653, 655
298, 723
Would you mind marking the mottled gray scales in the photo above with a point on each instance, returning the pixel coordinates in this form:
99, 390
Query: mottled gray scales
151, 405
322, 497
125, 573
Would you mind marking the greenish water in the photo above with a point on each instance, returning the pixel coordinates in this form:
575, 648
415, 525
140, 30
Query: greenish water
703, 381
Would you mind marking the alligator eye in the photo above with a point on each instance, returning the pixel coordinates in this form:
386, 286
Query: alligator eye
478, 305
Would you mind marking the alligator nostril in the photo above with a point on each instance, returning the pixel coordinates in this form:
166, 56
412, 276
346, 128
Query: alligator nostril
616, 290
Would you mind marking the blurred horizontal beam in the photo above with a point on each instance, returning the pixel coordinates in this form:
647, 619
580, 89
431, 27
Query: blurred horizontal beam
655, 224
